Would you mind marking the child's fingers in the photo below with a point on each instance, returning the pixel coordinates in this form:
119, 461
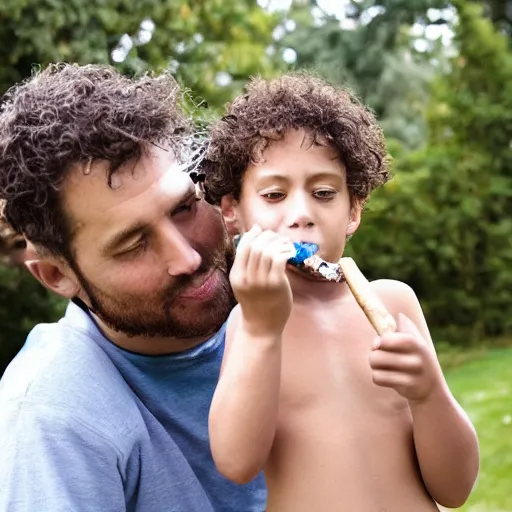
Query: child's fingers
396, 362
243, 248
260, 257
390, 379
275, 253
284, 252
397, 342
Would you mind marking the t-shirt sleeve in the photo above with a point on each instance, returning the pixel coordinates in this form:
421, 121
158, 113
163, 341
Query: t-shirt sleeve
50, 461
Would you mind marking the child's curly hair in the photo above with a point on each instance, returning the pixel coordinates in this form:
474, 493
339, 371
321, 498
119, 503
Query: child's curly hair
269, 108
68, 114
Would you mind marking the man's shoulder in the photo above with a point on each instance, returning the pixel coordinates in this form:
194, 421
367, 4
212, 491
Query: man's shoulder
54, 355
62, 369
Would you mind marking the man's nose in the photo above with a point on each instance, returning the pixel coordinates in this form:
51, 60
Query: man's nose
180, 256
299, 214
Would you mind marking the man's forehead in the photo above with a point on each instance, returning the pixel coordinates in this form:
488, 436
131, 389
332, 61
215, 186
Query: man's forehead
89, 198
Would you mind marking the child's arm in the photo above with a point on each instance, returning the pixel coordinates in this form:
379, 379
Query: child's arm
244, 409
445, 440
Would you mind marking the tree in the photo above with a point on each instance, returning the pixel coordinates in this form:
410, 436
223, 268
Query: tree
371, 51
211, 45
500, 12
450, 207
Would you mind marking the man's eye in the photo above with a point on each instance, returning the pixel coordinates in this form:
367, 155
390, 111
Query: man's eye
185, 207
273, 196
136, 249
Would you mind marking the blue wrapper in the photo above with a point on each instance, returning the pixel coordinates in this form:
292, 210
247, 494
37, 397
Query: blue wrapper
304, 251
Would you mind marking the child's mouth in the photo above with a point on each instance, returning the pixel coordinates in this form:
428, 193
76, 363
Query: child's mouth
304, 250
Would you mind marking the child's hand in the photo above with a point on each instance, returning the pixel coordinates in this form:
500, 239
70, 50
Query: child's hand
404, 361
259, 281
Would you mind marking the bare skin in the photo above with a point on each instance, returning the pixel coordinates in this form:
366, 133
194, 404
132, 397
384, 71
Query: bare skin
364, 457
338, 418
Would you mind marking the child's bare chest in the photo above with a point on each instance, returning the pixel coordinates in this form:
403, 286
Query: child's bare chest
326, 366
339, 435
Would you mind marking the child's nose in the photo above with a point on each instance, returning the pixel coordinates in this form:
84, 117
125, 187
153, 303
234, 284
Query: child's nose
300, 215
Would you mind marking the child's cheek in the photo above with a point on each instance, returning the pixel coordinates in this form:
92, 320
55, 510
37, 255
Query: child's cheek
270, 217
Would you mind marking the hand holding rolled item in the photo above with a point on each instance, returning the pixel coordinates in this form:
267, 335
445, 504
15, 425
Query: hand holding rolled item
346, 269
382, 321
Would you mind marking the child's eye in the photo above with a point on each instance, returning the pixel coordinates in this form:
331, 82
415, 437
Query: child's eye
273, 196
324, 194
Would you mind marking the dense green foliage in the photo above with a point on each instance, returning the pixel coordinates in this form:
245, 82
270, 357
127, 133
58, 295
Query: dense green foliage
445, 225
197, 39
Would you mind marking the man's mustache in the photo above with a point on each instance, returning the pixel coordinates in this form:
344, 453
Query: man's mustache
222, 260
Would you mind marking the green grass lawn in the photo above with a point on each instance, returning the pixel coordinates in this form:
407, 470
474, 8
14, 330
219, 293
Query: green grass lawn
484, 388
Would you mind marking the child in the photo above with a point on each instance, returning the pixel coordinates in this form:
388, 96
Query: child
338, 418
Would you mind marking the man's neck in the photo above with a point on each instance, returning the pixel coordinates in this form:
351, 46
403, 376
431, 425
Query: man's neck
148, 346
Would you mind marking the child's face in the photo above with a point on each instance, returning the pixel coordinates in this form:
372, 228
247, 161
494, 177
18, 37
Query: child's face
300, 192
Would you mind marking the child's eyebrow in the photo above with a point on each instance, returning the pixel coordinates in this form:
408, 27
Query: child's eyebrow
313, 176
272, 176
336, 174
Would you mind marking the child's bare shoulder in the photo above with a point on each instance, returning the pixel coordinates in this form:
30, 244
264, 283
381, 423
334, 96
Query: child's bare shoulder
399, 297
396, 295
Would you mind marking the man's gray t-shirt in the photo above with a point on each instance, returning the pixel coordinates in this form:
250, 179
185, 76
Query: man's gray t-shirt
88, 427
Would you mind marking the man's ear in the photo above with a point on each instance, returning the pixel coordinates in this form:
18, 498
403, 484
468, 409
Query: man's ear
229, 209
54, 275
355, 218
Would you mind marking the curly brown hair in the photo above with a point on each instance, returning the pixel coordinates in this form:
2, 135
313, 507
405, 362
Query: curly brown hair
66, 115
269, 108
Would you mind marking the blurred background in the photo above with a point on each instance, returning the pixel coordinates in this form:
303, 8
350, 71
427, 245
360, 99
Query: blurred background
438, 75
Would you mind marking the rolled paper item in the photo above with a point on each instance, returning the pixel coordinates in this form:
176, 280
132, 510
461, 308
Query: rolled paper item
307, 261
380, 318
321, 269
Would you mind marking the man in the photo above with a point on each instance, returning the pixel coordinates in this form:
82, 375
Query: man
107, 409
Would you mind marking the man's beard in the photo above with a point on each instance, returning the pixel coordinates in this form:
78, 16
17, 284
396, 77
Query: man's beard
163, 314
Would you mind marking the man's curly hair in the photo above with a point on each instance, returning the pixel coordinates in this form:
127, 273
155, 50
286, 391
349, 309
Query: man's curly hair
66, 115
268, 109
